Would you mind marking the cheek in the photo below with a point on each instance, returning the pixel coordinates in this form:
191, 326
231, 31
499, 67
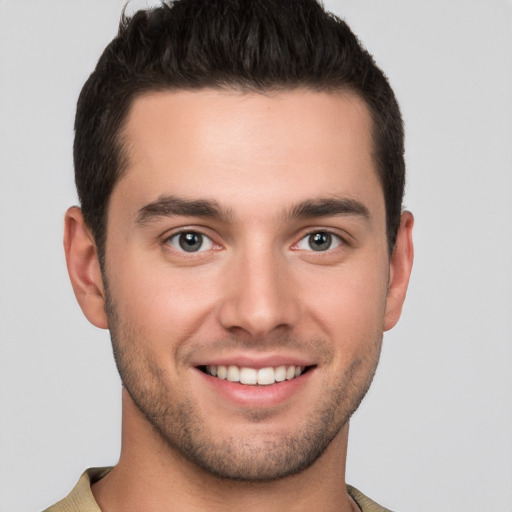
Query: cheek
163, 303
350, 302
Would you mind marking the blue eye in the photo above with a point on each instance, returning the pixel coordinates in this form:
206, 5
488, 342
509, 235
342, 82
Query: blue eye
320, 241
190, 241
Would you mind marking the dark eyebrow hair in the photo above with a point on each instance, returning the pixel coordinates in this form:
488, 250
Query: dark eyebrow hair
166, 206
328, 207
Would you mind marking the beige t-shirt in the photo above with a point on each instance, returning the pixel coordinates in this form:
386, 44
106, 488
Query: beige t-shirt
81, 499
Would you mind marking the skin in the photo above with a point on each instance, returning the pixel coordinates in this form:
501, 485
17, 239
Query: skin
256, 294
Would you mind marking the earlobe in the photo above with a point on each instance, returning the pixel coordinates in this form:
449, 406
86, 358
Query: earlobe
84, 268
399, 271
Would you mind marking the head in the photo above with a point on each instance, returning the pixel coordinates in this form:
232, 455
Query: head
240, 169
243, 45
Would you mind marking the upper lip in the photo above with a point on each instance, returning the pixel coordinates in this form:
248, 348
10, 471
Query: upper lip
256, 361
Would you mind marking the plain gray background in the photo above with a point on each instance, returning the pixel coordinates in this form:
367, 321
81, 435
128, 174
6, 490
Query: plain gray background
435, 432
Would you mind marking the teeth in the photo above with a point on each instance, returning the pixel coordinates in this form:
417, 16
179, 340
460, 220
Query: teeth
233, 374
252, 377
249, 376
222, 372
280, 373
266, 376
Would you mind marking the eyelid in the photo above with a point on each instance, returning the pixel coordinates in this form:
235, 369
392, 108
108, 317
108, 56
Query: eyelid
174, 235
333, 233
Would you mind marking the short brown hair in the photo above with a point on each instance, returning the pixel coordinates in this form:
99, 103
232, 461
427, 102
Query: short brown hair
257, 45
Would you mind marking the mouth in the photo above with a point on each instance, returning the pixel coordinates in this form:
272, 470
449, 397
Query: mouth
255, 376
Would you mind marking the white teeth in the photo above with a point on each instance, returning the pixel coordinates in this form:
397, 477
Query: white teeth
280, 373
248, 376
233, 374
222, 372
251, 376
266, 376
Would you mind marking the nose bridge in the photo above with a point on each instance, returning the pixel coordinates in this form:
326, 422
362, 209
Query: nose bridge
258, 296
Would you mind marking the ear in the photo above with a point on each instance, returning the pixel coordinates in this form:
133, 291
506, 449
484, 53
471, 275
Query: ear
84, 267
399, 271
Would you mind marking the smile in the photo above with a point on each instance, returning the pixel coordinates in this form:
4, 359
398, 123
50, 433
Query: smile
253, 376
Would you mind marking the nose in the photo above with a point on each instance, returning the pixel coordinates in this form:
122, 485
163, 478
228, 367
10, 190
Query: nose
260, 295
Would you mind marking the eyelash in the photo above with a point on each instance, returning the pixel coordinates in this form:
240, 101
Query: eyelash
180, 244
329, 236
176, 238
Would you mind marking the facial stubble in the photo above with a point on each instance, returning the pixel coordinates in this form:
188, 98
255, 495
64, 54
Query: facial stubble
264, 455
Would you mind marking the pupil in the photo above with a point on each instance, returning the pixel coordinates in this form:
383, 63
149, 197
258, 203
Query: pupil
320, 241
191, 242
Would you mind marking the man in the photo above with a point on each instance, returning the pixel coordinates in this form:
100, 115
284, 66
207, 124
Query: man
240, 171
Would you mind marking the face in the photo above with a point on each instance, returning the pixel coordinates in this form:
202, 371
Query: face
248, 273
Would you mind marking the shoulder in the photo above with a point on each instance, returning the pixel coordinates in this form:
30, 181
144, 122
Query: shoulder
81, 499
365, 503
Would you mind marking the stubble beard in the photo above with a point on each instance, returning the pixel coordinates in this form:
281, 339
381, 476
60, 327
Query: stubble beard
259, 458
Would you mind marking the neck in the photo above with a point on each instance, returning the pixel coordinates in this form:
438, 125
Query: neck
155, 477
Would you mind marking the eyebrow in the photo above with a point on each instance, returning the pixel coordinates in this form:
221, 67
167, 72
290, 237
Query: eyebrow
328, 207
167, 206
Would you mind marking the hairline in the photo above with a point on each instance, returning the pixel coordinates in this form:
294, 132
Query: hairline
121, 144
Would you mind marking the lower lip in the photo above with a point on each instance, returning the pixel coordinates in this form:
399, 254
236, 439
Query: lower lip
256, 396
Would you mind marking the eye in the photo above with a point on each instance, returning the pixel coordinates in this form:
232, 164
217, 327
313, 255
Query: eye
320, 241
190, 241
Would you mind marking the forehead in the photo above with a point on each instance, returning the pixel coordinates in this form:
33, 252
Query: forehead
227, 143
